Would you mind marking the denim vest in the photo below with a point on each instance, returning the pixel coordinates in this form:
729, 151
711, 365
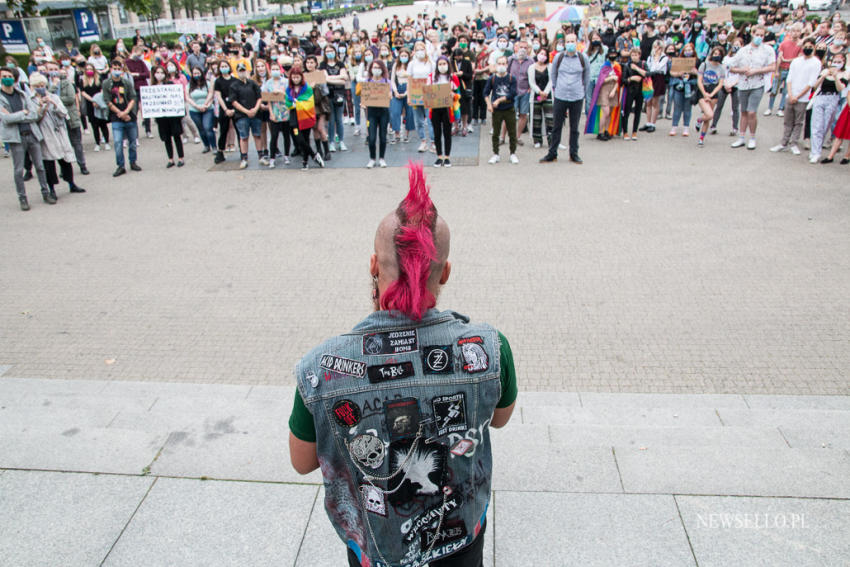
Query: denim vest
401, 410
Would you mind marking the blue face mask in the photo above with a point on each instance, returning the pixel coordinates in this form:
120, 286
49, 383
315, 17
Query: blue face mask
330, 55
117, 74
570, 47
757, 40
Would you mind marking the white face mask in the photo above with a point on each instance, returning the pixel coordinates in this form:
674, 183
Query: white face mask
443, 69
172, 69
541, 57
502, 69
376, 72
502, 45
159, 76
420, 55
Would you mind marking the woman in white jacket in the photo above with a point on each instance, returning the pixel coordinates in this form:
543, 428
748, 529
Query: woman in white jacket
540, 99
422, 67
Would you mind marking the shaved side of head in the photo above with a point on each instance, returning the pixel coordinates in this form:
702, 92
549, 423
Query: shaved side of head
412, 248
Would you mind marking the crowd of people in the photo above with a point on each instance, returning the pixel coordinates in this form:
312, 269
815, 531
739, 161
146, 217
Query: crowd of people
617, 71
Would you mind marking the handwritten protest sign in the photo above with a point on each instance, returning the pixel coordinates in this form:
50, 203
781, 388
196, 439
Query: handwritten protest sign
273, 97
438, 96
314, 78
594, 11
683, 64
719, 15
160, 101
531, 10
375, 94
415, 97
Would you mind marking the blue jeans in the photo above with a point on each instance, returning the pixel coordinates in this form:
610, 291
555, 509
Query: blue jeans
355, 101
246, 126
335, 123
397, 107
125, 131
423, 124
204, 122
681, 106
779, 82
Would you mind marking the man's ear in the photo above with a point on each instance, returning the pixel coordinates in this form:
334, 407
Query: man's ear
373, 265
447, 270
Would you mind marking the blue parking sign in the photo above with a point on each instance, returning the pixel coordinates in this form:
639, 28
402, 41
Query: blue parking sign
12, 36
86, 25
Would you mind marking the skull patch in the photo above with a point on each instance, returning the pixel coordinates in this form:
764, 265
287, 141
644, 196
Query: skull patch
373, 499
368, 450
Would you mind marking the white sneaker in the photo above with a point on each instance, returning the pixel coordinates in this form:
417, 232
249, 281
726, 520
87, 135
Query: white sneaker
382, 163
562, 147
271, 164
422, 147
469, 129
285, 160
739, 143
343, 147
795, 149
185, 140
751, 145
197, 140
514, 159
494, 159
781, 148
536, 145
780, 113
332, 147
243, 164
106, 146
814, 159
126, 144
149, 134
357, 131
264, 160
96, 148
370, 164
767, 112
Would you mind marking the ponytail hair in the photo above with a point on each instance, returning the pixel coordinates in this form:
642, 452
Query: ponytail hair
415, 250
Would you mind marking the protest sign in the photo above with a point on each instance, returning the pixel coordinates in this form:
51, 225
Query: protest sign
594, 11
160, 101
683, 64
719, 15
531, 10
414, 91
273, 97
375, 94
438, 96
314, 78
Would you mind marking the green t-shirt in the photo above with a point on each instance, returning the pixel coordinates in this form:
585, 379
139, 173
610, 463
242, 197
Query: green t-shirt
301, 421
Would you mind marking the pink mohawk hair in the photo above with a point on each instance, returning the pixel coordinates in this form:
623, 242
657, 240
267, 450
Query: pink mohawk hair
415, 249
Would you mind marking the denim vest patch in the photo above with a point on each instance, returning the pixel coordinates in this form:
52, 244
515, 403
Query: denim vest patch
402, 410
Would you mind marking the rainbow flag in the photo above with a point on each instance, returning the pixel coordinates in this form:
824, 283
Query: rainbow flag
595, 115
304, 105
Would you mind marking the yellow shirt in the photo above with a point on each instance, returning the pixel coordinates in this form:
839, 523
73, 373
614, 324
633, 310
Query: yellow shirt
234, 61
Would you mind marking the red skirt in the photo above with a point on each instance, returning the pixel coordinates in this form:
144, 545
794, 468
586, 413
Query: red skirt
842, 127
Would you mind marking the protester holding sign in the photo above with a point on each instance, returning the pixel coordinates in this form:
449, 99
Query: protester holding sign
377, 117
274, 93
442, 117
683, 84
422, 68
170, 127
398, 104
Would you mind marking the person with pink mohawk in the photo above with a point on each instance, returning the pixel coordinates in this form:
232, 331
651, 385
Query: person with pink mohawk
397, 412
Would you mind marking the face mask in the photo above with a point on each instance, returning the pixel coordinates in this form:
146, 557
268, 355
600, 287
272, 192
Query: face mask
89, 73
595, 43
443, 68
688, 54
243, 74
808, 51
53, 74
219, 51
612, 57
838, 42
322, 44
66, 62
721, 38
330, 55
571, 47
502, 45
276, 73
502, 69
463, 45
41, 91
522, 53
385, 54
376, 72
404, 58
697, 26
274, 57
369, 58
837, 65
535, 46
559, 48
117, 74
11, 65
717, 58
542, 57
159, 76
358, 57
420, 55
196, 77
262, 73
757, 40
172, 69
7, 81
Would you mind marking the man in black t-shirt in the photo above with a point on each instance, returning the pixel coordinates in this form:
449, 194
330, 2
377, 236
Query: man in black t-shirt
221, 87
245, 99
120, 96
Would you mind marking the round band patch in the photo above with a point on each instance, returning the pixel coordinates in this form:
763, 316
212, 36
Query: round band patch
346, 413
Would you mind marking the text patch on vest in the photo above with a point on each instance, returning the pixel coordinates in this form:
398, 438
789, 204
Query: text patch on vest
395, 371
450, 413
343, 365
391, 342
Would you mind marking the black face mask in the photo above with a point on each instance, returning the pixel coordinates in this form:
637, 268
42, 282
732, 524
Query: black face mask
613, 57
717, 58
808, 51
595, 43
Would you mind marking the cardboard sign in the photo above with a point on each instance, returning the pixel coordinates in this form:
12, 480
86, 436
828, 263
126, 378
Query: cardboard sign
683, 64
415, 96
314, 78
273, 97
594, 11
375, 94
719, 15
161, 101
438, 96
531, 10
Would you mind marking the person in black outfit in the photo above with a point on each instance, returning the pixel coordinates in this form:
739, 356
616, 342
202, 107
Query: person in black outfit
225, 109
633, 75
170, 127
462, 69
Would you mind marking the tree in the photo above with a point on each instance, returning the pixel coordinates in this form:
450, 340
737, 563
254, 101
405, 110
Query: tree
222, 5
150, 9
22, 8
282, 2
191, 6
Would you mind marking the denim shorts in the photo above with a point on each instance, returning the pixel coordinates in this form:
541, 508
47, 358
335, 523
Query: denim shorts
749, 99
244, 124
522, 103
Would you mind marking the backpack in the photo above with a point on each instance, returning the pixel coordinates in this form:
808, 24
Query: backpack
560, 58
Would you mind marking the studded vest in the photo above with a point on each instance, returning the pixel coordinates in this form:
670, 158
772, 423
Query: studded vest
402, 410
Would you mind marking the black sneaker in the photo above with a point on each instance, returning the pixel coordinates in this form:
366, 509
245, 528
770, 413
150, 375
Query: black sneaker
119, 171
77, 189
447, 163
28, 175
25, 206
219, 157
84, 170
548, 159
575, 159
135, 167
48, 198
438, 163
304, 166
